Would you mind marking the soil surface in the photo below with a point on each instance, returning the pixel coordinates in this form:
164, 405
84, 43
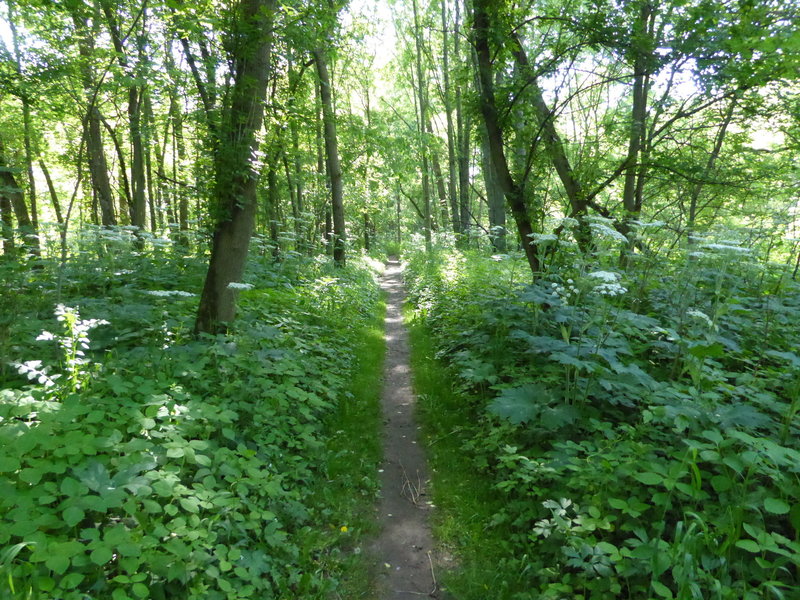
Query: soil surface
404, 551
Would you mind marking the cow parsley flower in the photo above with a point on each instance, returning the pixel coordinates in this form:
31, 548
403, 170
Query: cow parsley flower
606, 231
606, 276
238, 285
167, 293
543, 238
727, 247
610, 289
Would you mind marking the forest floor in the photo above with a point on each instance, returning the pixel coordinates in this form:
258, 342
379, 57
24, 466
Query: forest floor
404, 550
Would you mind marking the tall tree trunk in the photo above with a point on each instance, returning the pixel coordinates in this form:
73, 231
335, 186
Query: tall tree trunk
423, 110
125, 198
463, 126
272, 209
441, 189
53, 193
694, 197
98, 167
332, 157
138, 176
452, 165
494, 197
639, 110
236, 178
12, 192
28, 134
511, 189
7, 226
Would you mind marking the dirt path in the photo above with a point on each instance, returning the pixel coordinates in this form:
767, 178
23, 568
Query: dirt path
404, 549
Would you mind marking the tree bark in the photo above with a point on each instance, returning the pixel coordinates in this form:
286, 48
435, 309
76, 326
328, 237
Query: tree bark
511, 189
426, 193
7, 226
463, 125
236, 178
98, 167
638, 111
28, 134
11, 191
494, 197
138, 176
53, 193
452, 165
332, 157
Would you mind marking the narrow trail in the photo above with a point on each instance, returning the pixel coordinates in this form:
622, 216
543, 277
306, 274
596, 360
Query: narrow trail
404, 548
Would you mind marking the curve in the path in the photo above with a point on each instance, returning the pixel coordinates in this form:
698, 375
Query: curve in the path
404, 548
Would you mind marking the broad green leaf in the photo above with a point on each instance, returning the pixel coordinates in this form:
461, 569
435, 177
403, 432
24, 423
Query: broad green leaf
776, 506
521, 404
71, 581
8, 464
58, 563
101, 555
662, 590
749, 545
648, 478
73, 515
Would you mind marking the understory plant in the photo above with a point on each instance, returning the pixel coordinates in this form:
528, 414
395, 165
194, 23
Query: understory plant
639, 420
137, 461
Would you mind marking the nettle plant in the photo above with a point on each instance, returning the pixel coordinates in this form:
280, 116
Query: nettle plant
640, 421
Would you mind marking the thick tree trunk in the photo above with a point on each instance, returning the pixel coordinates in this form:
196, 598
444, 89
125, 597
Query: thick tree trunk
494, 197
236, 178
332, 157
638, 112
12, 192
511, 189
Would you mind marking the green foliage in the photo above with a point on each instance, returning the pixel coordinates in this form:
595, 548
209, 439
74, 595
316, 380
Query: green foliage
138, 462
639, 425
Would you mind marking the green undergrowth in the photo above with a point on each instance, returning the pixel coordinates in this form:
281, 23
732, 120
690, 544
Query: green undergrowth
354, 452
139, 462
637, 426
463, 496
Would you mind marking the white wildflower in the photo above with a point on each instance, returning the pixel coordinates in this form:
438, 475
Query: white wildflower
645, 225
697, 254
606, 276
698, 314
606, 231
167, 293
610, 289
237, 285
727, 247
543, 238
569, 222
